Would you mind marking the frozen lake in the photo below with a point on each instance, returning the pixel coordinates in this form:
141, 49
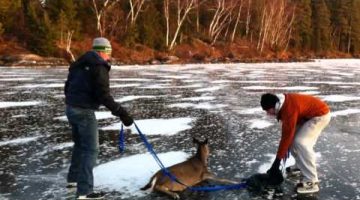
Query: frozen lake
171, 104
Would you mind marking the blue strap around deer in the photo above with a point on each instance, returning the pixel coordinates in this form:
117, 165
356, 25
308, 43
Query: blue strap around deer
173, 178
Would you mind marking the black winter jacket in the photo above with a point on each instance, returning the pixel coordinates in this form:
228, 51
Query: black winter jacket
87, 85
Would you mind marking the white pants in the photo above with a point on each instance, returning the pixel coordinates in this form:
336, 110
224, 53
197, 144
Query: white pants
302, 148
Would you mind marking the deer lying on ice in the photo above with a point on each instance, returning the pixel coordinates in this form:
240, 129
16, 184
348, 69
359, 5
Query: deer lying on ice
190, 172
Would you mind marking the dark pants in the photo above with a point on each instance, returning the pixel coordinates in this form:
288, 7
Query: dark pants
86, 138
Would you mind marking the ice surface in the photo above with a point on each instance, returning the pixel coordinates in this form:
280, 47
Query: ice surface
172, 104
157, 126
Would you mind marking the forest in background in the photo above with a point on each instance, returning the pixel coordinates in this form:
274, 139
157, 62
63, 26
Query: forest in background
191, 30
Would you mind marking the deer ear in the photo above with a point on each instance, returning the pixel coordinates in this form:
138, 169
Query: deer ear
195, 141
206, 141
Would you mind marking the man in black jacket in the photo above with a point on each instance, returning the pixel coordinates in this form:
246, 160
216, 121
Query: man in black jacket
86, 88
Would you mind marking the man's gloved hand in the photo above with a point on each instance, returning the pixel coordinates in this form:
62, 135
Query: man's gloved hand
124, 116
126, 120
275, 175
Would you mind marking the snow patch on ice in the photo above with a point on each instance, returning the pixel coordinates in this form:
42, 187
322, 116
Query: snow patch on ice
339, 98
310, 92
250, 111
124, 85
19, 141
210, 89
51, 85
203, 98
131, 98
344, 112
205, 105
259, 124
300, 88
16, 79
7, 104
127, 175
99, 115
289, 162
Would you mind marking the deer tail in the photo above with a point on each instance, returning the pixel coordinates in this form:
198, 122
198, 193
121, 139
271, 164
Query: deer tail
151, 184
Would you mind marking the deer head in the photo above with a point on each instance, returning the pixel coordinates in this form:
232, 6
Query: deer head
203, 151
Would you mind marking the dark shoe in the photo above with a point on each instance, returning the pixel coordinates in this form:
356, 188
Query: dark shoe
94, 195
293, 171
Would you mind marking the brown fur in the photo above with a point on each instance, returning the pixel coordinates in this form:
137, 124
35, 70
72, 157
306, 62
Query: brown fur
190, 172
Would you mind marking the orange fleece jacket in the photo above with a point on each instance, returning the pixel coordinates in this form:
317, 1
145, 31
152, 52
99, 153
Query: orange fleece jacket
296, 109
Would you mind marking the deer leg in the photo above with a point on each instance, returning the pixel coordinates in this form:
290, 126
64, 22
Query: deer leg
210, 176
167, 191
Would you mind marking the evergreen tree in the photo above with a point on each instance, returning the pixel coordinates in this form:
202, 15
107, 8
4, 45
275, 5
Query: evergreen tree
10, 11
321, 26
355, 27
40, 36
63, 13
150, 28
340, 23
302, 25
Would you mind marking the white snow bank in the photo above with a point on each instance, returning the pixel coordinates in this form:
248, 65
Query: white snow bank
6, 104
128, 175
157, 126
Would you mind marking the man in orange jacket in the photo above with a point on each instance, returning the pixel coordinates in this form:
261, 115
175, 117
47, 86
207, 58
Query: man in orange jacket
303, 118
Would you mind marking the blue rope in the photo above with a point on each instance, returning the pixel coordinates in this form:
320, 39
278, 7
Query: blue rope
173, 178
121, 140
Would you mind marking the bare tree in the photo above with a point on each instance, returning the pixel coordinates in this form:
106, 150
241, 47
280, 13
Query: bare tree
240, 5
100, 11
167, 19
135, 8
68, 45
221, 19
183, 8
276, 25
248, 17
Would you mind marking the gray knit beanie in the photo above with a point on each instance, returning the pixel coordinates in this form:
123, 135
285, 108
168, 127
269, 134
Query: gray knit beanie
101, 44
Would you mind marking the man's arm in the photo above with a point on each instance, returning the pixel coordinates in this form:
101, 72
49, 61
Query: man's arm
287, 134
